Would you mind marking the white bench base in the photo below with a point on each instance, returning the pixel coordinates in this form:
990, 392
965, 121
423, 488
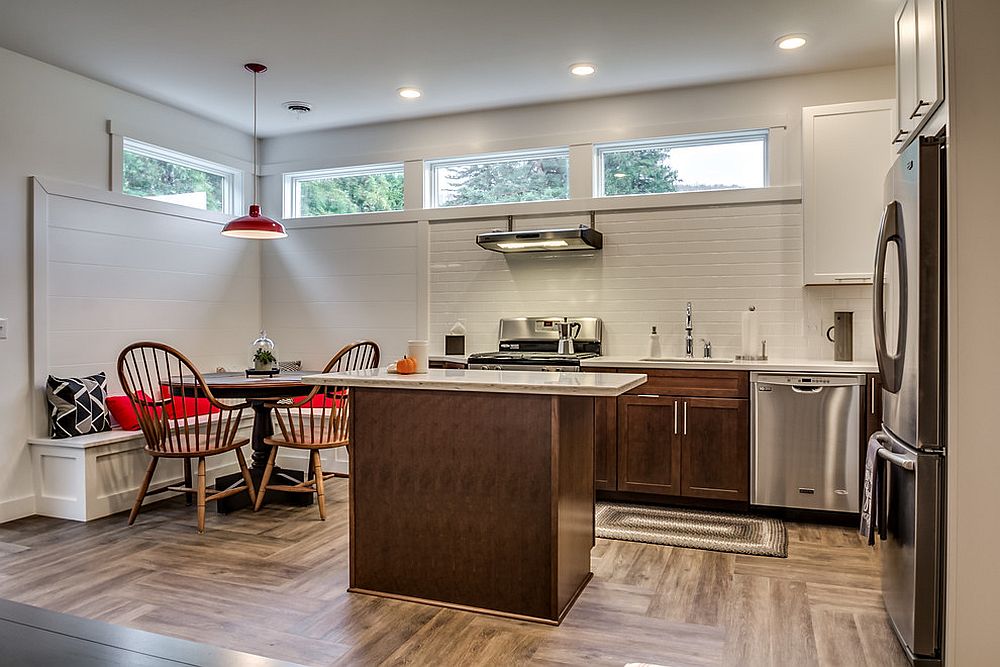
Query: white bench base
93, 476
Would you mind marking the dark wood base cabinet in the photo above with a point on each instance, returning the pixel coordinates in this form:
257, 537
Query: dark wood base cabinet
692, 442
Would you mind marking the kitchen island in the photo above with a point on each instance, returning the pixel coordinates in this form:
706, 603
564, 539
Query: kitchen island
474, 489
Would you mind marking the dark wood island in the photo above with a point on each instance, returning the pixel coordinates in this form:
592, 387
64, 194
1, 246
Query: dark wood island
474, 489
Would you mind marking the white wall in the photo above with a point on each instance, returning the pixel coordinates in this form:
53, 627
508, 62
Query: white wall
54, 124
639, 115
722, 259
973, 595
328, 286
117, 274
479, 287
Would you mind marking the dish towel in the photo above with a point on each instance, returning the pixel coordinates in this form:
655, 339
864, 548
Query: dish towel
871, 493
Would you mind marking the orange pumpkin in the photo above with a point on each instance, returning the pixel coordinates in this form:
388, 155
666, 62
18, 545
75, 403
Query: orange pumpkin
406, 366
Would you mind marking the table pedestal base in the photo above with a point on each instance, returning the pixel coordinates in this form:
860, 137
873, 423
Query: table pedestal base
278, 476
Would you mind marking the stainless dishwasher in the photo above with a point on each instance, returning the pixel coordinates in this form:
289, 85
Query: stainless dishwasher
805, 441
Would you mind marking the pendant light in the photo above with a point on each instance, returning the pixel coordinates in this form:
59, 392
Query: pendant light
254, 225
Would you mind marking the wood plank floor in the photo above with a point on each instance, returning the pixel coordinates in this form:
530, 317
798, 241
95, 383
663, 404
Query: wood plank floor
273, 584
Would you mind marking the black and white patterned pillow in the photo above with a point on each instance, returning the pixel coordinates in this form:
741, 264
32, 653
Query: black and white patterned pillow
77, 406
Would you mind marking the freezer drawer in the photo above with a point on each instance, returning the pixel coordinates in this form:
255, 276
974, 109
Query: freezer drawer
805, 445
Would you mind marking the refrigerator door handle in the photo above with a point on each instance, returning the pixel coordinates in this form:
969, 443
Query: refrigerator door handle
904, 462
890, 365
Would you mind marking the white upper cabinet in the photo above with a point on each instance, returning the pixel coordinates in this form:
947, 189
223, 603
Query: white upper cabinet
846, 154
919, 71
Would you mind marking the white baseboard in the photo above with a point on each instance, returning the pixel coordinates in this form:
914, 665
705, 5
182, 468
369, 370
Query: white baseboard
17, 508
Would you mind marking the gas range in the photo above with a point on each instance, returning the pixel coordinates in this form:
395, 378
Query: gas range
532, 343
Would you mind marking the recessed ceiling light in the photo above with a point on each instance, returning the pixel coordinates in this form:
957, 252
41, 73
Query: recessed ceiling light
789, 42
298, 108
582, 69
409, 93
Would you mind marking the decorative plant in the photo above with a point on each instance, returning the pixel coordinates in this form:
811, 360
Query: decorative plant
264, 357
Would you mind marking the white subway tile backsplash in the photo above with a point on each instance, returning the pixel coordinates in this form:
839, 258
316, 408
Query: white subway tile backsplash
721, 259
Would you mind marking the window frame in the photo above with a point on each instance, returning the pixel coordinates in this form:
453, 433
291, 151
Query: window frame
680, 141
232, 177
292, 185
431, 168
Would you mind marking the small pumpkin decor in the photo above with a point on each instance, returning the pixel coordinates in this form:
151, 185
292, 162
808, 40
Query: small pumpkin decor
406, 366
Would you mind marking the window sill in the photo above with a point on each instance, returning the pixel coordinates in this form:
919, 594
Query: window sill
617, 204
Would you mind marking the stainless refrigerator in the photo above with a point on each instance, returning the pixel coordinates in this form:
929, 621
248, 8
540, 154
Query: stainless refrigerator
910, 332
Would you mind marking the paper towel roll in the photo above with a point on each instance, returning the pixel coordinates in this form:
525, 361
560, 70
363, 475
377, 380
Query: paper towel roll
750, 326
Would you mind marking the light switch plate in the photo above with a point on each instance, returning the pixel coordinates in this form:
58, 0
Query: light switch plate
3, 328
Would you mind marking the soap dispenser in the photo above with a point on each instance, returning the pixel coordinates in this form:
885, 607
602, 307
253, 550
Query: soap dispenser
654, 344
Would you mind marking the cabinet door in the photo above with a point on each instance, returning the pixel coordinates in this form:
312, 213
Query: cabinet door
929, 61
648, 444
906, 71
715, 448
846, 154
606, 443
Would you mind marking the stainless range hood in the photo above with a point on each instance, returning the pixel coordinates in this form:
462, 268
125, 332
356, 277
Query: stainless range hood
542, 240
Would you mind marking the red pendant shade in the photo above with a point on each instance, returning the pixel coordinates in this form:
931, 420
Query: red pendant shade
254, 225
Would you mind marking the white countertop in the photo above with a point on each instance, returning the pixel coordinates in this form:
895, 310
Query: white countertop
775, 365
509, 382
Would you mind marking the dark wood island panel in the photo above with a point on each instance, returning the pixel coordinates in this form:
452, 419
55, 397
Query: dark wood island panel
472, 500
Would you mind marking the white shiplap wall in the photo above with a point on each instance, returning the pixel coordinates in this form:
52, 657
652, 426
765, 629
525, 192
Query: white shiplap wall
324, 287
118, 274
722, 259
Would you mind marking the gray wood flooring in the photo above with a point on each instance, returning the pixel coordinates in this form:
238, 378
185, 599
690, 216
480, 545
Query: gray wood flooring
273, 584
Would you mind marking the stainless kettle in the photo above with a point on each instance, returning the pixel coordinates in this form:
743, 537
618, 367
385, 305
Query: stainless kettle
566, 334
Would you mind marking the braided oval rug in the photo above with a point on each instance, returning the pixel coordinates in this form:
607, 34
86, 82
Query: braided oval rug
693, 529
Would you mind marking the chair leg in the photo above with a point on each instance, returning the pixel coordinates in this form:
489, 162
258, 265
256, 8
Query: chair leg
201, 494
143, 488
318, 476
246, 475
188, 497
266, 478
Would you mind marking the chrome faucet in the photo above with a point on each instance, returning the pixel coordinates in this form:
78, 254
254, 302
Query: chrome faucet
688, 334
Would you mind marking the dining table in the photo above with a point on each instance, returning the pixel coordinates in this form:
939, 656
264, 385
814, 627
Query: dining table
260, 392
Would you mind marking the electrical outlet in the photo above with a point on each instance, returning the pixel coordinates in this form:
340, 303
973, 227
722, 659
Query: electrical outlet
3, 328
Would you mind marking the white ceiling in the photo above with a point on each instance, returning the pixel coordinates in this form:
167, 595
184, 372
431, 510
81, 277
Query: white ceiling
348, 58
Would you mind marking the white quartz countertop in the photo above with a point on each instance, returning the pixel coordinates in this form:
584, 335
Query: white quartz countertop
509, 382
776, 365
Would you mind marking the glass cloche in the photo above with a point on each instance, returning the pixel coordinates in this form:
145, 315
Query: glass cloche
263, 354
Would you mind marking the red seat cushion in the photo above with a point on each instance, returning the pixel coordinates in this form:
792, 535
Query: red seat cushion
178, 408
121, 410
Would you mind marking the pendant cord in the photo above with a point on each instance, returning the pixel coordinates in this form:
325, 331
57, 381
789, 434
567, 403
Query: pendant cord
254, 175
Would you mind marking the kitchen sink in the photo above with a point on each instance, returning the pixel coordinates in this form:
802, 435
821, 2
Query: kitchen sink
690, 360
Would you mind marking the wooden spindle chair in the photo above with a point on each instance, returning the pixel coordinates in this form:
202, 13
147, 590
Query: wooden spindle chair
156, 378
315, 425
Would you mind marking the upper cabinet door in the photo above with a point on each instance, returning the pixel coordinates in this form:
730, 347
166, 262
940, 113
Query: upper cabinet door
906, 71
846, 154
930, 80
919, 67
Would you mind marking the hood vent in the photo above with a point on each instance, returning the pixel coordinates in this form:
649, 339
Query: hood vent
542, 240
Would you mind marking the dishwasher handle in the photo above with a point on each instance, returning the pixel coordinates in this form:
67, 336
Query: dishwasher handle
806, 389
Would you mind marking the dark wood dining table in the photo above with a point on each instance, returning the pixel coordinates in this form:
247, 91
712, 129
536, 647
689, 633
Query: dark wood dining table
259, 392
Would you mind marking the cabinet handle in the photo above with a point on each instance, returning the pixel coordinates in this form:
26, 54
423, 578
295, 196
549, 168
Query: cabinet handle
675, 417
900, 135
920, 105
648, 395
685, 417
873, 396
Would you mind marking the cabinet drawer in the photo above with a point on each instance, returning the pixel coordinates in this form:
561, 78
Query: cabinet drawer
709, 384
